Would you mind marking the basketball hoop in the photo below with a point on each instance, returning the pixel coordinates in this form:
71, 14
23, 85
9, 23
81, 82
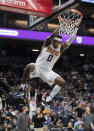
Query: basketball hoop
68, 20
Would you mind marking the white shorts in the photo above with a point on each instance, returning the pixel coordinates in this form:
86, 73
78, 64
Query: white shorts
46, 75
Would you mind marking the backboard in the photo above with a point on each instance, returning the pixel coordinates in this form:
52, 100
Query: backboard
57, 8
34, 7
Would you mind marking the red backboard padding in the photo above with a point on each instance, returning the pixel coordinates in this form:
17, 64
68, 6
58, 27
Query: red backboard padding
36, 7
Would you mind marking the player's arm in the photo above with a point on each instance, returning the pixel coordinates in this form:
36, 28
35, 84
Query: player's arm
49, 39
67, 44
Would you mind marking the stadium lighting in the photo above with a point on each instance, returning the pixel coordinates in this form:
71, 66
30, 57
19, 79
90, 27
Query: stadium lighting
91, 30
35, 50
82, 54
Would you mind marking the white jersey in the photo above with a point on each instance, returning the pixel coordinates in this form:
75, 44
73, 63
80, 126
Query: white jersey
32, 106
48, 56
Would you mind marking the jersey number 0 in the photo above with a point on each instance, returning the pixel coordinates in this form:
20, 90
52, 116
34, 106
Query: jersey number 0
50, 58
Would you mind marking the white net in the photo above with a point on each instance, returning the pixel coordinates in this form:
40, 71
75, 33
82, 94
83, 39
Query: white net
67, 22
67, 27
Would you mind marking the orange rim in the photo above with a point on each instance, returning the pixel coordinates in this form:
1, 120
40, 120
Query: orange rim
73, 10
60, 19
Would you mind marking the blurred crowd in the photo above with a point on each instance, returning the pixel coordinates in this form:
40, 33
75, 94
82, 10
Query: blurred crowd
73, 107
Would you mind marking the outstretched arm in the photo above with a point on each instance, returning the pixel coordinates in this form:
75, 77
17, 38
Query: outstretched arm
67, 44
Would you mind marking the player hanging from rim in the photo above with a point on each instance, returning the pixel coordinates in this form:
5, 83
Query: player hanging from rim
50, 53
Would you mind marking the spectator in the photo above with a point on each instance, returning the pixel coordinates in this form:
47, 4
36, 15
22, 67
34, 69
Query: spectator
68, 112
3, 101
45, 128
3, 118
9, 127
14, 124
59, 124
10, 99
38, 120
54, 106
23, 120
77, 124
88, 120
70, 126
32, 105
79, 110
5, 127
48, 121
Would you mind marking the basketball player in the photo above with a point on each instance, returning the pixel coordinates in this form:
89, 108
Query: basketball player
50, 53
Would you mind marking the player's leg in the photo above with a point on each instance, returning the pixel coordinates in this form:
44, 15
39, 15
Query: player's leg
52, 78
29, 69
59, 84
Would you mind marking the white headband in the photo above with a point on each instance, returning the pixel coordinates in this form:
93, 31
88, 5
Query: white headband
58, 39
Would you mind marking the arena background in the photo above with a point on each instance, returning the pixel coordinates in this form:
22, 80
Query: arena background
76, 65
